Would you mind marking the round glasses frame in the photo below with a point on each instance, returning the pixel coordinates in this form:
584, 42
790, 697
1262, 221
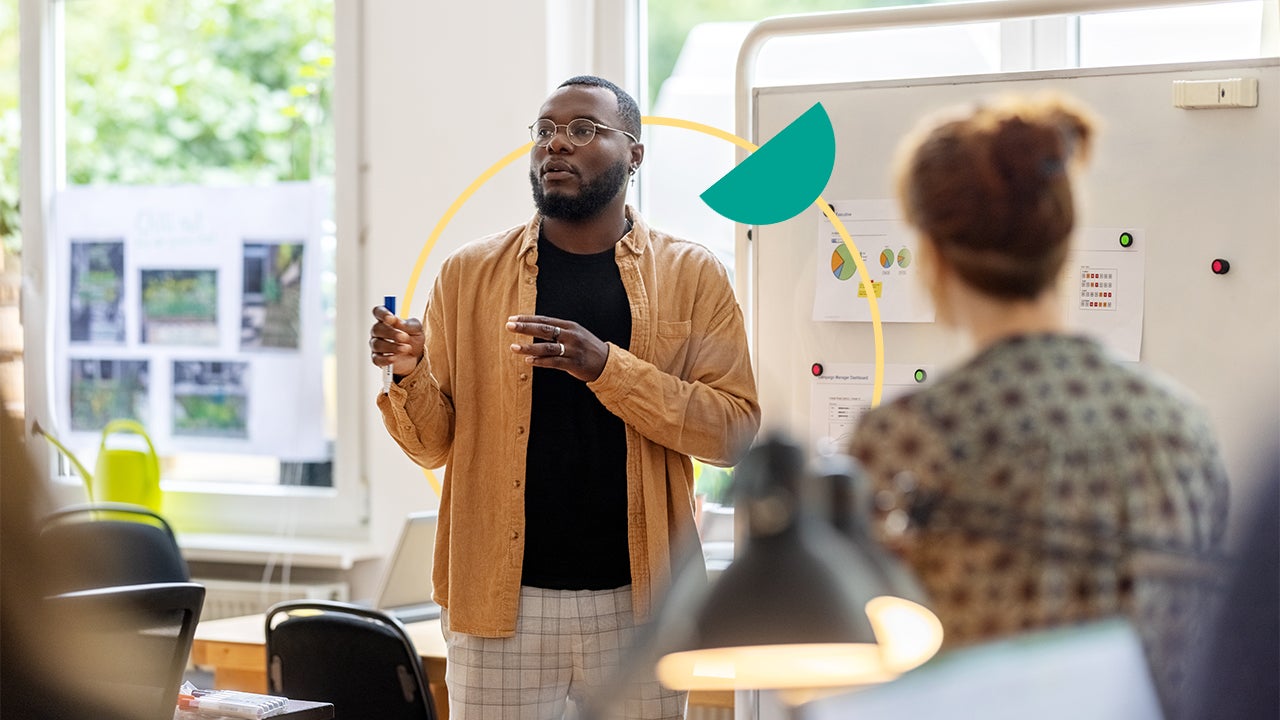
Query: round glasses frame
580, 131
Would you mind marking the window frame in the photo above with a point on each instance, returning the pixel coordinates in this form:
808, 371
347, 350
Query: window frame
340, 511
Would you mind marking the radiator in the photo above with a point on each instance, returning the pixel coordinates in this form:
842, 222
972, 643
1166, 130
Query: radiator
703, 712
233, 598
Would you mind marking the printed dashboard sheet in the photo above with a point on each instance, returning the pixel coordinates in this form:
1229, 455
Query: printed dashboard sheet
888, 249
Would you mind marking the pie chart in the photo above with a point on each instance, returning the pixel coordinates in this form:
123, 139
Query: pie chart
842, 265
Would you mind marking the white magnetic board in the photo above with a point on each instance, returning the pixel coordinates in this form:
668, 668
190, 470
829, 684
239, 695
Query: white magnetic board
1199, 184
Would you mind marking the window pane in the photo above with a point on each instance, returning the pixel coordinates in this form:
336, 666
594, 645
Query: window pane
207, 93
1222, 31
693, 51
10, 237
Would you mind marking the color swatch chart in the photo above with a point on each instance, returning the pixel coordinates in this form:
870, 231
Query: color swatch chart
1097, 288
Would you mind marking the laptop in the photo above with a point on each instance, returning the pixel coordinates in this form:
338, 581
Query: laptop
1095, 670
404, 592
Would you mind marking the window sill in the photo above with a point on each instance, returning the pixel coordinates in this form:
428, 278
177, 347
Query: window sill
258, 549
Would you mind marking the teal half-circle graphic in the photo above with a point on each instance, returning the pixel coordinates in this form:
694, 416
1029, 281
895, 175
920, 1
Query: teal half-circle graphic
783, 177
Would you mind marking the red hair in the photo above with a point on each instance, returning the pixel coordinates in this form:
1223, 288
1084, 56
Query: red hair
991, 190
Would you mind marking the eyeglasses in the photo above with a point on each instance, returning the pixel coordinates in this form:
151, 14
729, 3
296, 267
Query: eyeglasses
580, 131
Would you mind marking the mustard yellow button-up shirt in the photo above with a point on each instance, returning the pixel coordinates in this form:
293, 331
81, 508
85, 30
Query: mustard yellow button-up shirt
684, 388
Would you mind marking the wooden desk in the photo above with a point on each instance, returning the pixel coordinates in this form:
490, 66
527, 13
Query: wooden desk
234, 649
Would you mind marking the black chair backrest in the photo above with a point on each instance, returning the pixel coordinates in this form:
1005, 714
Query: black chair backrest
127, 647
359, 659
109, 544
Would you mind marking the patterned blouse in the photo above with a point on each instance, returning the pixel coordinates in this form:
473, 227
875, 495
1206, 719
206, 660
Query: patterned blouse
1061, 471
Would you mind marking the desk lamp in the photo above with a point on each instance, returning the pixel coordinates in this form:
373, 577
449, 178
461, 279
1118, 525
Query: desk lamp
806, 605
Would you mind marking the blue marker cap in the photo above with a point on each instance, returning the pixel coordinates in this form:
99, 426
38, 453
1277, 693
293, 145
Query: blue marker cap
389, 302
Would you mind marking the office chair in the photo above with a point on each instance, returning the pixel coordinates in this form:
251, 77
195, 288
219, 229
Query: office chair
359, 659
109, 544
125, 648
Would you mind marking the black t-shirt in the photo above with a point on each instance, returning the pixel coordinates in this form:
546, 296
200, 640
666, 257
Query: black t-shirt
576, 477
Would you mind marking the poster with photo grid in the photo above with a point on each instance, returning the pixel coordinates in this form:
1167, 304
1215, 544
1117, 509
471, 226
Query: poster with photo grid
194, 310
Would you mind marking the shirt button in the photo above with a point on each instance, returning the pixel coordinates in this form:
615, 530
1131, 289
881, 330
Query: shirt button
520, 430
515, 536
524, 376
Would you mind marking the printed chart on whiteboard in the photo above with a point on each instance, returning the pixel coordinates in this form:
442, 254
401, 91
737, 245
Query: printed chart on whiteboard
841, 394
1105, 286
888, 249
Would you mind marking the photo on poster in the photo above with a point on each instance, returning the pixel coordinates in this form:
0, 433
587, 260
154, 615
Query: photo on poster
96, 300
106, 390
179, 307
210, 399
271, 314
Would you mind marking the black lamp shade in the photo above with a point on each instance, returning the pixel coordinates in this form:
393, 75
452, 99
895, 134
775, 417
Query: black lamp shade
796, 609
799, 586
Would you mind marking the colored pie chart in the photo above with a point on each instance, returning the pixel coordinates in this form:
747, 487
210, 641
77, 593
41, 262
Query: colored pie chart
904, 258
886, 258
842, 263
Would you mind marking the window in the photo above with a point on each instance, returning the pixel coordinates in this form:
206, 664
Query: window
693, 51
192, 249
10, 235
1220, 31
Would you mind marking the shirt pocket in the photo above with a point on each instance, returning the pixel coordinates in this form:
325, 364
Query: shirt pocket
672, 347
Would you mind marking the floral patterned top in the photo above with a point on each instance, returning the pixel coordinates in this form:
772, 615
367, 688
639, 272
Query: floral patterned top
1072, 485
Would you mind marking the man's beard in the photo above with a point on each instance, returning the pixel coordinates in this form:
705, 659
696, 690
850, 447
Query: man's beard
591, 200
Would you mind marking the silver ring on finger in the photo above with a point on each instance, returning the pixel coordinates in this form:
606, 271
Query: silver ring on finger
555, 335
561, 353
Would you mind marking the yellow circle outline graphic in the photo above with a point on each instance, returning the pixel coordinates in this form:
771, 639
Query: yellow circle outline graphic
484, 177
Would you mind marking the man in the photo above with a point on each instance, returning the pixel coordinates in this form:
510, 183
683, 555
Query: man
567, 370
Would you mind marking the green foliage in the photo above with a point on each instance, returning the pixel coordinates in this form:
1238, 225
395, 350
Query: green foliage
209, 91
671, 20
210, 415
10, 222
177, 91
9, 121
716, 484
179, 294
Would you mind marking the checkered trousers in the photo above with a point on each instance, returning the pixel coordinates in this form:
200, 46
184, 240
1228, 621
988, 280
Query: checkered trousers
568, 643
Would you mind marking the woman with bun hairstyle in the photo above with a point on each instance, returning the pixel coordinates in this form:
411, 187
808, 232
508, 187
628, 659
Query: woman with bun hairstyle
1072, 480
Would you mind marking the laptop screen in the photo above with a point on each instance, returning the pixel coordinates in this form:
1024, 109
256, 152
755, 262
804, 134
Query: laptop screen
1094, 670
406, 580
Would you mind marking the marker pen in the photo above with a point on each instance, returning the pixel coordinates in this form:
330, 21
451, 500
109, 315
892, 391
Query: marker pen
389, 302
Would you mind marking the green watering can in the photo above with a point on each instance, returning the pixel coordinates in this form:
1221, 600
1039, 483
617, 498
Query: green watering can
122, 475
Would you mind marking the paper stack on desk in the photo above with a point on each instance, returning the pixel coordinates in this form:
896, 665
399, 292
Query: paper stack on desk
207, 704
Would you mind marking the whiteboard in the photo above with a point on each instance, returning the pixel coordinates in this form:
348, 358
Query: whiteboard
1200, 184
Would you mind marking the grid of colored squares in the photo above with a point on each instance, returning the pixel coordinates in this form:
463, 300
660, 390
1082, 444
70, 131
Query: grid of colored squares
1097, 288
